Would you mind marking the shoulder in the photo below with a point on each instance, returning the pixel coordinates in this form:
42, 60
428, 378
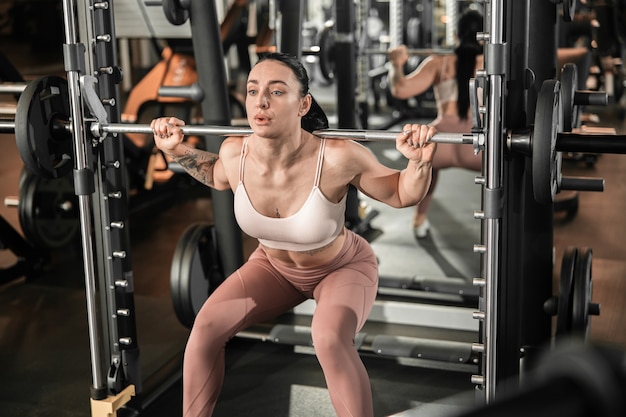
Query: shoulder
231, 146
346, 152
440, 60
432, 65
432, 61
343, 146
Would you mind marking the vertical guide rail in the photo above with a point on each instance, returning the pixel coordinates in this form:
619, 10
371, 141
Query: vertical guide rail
110, 209
362, 64
495, 64
83, 179
395, 23
452, 11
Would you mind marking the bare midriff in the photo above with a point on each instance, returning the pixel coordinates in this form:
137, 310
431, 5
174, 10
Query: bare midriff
311, 258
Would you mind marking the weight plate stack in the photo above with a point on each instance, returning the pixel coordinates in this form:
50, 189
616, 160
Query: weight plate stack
44, 144
48, 210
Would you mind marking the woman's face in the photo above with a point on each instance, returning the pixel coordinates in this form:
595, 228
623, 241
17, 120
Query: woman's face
273, 101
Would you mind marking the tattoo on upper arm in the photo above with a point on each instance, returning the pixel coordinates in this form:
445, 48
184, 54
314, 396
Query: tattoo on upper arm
199, 166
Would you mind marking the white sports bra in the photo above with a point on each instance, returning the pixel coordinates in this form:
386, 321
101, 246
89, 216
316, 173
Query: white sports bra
317, 223
447, 90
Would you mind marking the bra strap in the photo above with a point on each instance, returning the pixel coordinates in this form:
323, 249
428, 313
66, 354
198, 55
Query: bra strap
320, 158
242, 158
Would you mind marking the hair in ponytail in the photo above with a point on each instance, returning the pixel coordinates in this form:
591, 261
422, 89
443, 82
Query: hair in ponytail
315, 119
470, 23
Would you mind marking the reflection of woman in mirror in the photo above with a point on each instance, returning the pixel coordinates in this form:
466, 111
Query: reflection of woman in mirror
449, 77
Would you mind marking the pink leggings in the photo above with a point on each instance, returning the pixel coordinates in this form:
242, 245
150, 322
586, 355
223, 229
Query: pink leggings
344, 291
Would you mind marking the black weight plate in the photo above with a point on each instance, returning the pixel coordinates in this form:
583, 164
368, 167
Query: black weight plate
566, 293
546, 161
582, 293
48, 210
327, 53
569, 83
196, 271
174, 12
45, 149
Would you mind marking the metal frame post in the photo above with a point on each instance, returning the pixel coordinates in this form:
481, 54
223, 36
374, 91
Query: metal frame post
207, 49
495, 68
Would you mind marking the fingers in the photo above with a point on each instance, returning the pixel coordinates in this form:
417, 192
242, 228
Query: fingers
417, 136
398, 55
165, 127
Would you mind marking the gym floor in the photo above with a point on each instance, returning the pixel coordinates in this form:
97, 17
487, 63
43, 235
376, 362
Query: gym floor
44, 349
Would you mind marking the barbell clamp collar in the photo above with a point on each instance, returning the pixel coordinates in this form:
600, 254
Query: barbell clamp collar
96, 130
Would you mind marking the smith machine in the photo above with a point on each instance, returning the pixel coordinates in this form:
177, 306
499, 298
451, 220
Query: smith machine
72, 125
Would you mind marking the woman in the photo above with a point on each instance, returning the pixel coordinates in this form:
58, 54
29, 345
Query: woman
290, 192
449, 77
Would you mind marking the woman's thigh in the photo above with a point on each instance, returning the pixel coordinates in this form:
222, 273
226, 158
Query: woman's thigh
252, 294
345, 298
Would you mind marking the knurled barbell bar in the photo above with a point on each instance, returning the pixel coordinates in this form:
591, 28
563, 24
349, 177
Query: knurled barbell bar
99, 129
42, 133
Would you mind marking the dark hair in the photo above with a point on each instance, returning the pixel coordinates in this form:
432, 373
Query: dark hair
315, 118
469, 24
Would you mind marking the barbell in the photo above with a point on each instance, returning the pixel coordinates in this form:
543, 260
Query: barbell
42, 128
42, 133
350, 134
